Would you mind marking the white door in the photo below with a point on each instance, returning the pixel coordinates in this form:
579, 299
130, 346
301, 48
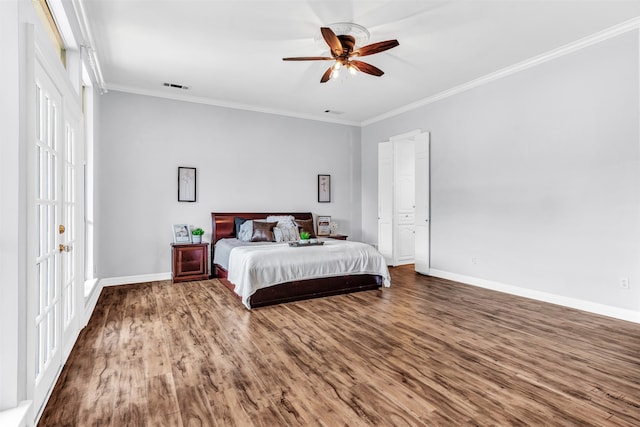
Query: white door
404, 202
422, 212
396, 199
385, 200
71, 240
404, 248
55, 282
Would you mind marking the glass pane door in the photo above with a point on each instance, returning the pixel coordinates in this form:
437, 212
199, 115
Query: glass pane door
68, 238
48, 210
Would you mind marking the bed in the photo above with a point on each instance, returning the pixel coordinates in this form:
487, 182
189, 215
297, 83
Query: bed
338, 282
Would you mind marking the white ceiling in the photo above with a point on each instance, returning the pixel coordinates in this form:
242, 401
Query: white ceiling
230, 52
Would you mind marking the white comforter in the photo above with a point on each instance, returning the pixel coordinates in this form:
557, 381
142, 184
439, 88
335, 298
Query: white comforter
256, 267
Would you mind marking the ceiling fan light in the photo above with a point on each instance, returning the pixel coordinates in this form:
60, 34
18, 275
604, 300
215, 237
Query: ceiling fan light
344, 48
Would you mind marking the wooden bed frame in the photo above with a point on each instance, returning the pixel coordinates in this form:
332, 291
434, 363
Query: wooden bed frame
223, 226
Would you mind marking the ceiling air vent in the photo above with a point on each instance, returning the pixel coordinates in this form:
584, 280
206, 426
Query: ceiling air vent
337, 113
175, 86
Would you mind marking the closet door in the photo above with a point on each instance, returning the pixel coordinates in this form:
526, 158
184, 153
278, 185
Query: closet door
385, 200
404, 202
422, 212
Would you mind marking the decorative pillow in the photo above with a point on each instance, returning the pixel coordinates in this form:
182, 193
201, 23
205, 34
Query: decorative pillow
237, 221
281, 219
286, 232
263, 231
246, 231
306, 225
291, 233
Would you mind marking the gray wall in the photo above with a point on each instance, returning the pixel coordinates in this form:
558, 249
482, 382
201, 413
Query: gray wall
245, 161
537, 175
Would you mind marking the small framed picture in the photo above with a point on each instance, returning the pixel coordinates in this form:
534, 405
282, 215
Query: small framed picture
324, 225
181, 233
324, 188
186, 184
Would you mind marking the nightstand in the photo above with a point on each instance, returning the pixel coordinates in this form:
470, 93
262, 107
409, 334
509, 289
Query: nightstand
189, 262
338, 236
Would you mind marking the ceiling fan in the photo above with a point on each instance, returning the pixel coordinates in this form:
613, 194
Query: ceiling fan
343, 49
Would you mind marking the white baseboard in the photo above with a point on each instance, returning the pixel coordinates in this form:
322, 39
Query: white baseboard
16, 417
90, 303
125, 280
592, 307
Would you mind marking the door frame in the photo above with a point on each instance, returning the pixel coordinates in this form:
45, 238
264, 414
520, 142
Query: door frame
422, 224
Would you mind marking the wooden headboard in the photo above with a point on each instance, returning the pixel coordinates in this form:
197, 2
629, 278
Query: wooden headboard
222, 223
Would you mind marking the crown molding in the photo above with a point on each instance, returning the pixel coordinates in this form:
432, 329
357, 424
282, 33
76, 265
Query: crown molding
630, 25
226, 104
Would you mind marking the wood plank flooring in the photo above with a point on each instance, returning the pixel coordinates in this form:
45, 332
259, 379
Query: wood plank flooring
426, 351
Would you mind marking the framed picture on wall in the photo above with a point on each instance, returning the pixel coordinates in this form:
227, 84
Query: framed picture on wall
186, 184
324, 188
181, 233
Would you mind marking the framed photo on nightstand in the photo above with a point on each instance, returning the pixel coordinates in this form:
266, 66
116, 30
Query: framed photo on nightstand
324, 225
181, 233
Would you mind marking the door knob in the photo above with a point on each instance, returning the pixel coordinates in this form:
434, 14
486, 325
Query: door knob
61, 229
64, 248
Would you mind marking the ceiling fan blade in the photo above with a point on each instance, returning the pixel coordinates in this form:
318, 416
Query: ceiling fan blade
376, 48
327, 75
367, 68
309, 58
332, 40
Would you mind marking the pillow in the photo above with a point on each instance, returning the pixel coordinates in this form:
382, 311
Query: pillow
263, 231
281, 219
246, 231
306, 225
286, 232
290, 232
237, 223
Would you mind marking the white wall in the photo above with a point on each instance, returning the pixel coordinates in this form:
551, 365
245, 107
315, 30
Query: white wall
246, 161
537, 175
11, 173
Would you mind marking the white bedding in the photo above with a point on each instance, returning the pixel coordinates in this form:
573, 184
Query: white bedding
256, 267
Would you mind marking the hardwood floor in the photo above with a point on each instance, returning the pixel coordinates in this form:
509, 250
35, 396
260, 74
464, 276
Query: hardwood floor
426, 351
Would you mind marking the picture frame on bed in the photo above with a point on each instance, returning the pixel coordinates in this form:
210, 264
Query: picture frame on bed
181, 233
324, 223
324, 188
186, 184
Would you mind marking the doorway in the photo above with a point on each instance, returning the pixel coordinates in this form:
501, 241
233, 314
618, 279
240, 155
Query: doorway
403, 200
